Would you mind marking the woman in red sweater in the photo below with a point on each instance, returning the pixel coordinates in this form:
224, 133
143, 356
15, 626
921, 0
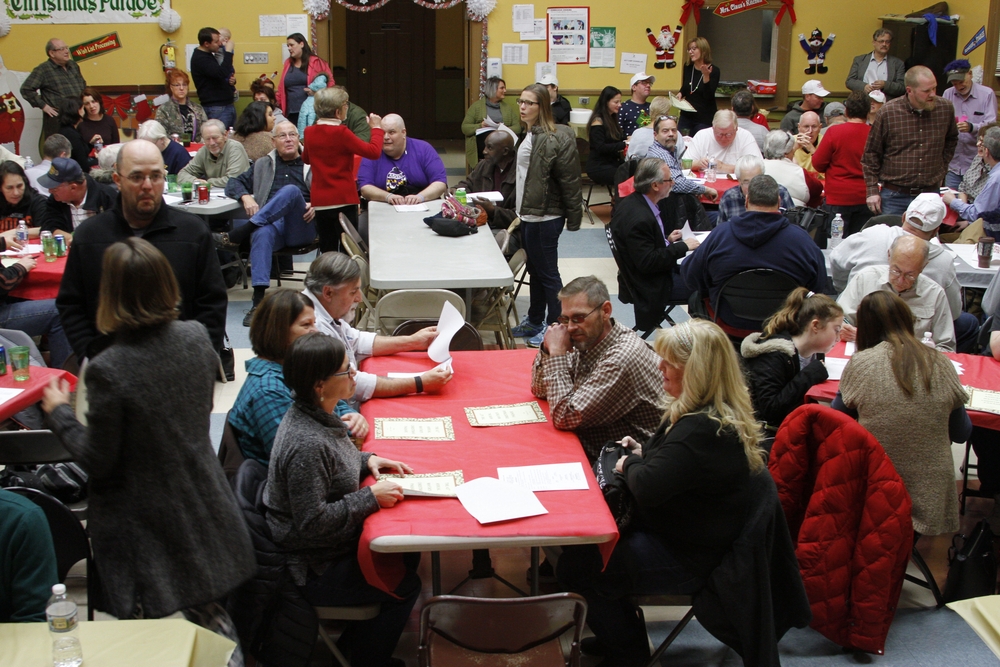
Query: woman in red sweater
839, 157
333, 146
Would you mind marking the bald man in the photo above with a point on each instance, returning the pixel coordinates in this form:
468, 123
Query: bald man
807, 140
409, 171
183, 238
496, 173
903, 276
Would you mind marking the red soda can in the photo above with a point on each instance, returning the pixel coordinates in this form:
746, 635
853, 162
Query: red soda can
202, 194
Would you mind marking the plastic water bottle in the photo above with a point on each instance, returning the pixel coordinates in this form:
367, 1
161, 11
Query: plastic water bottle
231, 134
61, 614
928, 340
836, 231
28, 162
461, 196
710, 171
22, 233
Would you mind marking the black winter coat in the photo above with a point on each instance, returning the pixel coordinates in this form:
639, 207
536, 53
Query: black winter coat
777, 384
58, 217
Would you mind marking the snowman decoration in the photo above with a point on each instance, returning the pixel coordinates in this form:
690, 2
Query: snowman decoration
816, 49
664, 45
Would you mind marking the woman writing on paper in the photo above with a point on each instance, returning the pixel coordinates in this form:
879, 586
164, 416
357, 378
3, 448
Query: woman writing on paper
316, 507
691, 484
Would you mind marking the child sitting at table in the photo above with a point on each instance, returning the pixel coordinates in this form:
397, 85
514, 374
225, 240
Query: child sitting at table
334, 189
782, 361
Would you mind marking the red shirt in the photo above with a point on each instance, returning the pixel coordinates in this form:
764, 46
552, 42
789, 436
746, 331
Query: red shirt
839, 157
332, 160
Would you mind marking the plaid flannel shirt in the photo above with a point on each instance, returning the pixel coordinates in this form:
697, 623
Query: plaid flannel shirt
605, 393
682, 185
733, 202
48, 83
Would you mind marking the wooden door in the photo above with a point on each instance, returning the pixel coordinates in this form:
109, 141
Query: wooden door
390, 63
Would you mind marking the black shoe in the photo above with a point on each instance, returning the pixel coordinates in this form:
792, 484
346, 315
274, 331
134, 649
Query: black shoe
222, 241
546, 575
249, 316
591, 646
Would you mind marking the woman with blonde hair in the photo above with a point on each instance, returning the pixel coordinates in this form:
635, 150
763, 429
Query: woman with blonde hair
691, 484
699, 82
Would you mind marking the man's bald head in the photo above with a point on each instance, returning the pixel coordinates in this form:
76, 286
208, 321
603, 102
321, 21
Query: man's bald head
394, 142
909, 246
907, 259
285, 138
809, 123
393, 120
498, 145
133, 150
139, 174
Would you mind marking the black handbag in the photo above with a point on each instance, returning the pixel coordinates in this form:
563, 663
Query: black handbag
228, 360
972, 567
450, 226
815, 221
612, 484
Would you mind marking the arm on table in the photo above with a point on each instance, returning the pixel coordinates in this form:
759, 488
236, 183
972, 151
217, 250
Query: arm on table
603, 398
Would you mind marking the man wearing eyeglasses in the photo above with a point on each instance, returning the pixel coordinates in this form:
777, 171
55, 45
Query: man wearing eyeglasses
183, 238
55, 79
600, 379
878, 70
903, 276
725, 142
218, 160
275, 193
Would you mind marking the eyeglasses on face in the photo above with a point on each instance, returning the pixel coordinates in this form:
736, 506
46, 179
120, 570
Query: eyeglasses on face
154, 178
349, 371
529, 103
287, 135
896, 273
577, 319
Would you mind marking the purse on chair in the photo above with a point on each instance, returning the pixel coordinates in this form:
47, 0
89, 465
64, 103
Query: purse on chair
612, 484
972, 567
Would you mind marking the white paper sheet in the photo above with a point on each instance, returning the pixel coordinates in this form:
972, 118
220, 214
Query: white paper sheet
514, 54
273, 25
958, 367
523, 18
492, 195
537, 33
297, 23
448, 325
494, 67
686, 232
679, 104
30, 249
543, 68
548, 477
849, 349
405, 208
633, 63
489, 500
835, 367
7, 394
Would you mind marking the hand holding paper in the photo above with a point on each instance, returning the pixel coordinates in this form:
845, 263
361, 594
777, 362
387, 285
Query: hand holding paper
448, 325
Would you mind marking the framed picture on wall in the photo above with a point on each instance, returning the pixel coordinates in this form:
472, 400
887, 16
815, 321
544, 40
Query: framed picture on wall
568, 35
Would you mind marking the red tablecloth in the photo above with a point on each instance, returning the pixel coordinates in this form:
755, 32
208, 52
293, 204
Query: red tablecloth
33, 388
979, 372
481, 378
721, 185
42, 282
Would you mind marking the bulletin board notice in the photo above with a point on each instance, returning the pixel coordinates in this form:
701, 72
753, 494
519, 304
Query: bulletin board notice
568, 35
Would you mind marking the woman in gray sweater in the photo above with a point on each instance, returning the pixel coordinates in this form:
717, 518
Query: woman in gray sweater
316, 507
166, 532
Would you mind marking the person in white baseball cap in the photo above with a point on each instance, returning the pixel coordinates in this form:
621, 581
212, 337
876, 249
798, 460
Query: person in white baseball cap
813, 93
628, 115
560, 105
878, 99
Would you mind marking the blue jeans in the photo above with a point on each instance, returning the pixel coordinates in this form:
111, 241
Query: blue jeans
953, 180
895, 203
281, 224
641, 563
36, 318
541, 243
226, 113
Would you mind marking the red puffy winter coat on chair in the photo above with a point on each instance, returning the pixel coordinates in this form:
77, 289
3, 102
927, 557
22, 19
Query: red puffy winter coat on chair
848, 512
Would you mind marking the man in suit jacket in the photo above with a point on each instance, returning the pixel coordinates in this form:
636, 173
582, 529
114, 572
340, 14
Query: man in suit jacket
878, 70
648, 245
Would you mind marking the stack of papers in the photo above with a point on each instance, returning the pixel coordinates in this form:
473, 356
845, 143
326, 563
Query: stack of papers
404, 208
547, 477
428, 485
489, 500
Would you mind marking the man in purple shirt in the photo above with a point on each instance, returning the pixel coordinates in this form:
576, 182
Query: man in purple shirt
975, 105
409, 171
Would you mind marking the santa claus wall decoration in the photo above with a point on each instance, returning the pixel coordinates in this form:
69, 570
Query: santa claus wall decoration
816, 48
664, 44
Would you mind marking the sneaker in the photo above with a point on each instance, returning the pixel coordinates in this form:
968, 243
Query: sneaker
536, 340
546, 575
249, 316
527, 329
222, 241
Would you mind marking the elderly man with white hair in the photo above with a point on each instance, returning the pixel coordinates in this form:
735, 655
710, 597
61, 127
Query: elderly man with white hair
218, 160
734, 201
803, 186
175, 156
725, 142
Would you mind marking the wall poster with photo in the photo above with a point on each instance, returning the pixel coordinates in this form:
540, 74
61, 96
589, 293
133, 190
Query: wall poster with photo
568, 35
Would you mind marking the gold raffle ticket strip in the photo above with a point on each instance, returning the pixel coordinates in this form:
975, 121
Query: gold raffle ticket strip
506, 415
413, 428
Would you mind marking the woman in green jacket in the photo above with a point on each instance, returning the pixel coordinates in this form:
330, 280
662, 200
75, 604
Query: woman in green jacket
493, 107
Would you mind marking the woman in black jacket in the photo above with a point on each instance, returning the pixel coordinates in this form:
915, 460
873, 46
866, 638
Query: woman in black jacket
607, 144
691, 484
782, 362
70, 117
698, 85
19, 201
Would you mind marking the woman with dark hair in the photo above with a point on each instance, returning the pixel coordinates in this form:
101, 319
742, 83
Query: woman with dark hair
607, 143
301, 68
547, 197
70, 117
782, 361
162, 518
839, 157
316, 506
281, 318
699, 82
19, 201
179, 115
910, 398
490, 107
96, 125
253, 130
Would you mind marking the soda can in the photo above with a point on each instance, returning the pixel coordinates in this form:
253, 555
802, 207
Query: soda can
3, 360
202, 194
60, 245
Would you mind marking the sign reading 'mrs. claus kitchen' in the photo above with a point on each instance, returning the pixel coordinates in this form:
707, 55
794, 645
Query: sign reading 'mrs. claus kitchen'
84, 11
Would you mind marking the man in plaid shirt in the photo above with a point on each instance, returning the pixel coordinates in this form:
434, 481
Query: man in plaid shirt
912, 140
50, 82
734, 202
601, 380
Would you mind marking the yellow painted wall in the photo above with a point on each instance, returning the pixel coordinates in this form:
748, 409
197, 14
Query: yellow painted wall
138, 61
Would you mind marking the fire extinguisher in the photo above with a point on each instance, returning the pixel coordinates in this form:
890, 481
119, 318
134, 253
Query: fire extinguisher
168, 54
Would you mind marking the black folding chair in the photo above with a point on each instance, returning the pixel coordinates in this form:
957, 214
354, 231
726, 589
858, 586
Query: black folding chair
754, 295
624, 282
